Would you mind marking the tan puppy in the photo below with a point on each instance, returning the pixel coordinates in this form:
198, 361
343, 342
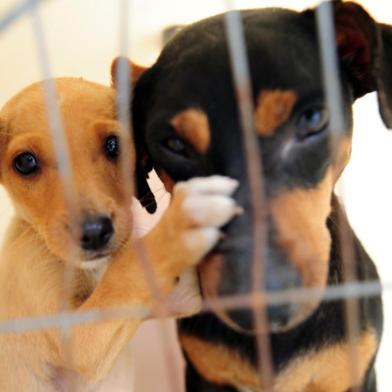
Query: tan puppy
41, 243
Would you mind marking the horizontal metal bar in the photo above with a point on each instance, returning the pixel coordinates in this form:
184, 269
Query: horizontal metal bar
339, 292
296, 296
69, 319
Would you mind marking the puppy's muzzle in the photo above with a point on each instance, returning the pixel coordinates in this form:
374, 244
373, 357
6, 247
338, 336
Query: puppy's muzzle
229, 272
97, 231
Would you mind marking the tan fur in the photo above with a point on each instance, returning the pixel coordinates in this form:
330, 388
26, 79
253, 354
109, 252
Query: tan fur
210, 271
310, 372
135, 70
192, 125
167, 181
218, 364
273, 109
39, 244
300, 217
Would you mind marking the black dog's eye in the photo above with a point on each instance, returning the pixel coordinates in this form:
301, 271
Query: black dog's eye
176, 145
312, 121
26, 163
112, 147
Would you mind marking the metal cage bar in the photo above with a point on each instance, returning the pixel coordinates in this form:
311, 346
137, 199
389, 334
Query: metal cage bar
16, 12
333, 94
243, 90
62, 155
123, 101
351, 290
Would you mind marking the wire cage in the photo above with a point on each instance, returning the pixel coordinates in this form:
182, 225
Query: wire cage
371, 204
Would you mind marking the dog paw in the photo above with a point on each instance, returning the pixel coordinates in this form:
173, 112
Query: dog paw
190, 227
202, 206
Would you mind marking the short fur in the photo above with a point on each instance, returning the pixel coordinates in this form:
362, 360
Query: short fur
301, 165
41, 246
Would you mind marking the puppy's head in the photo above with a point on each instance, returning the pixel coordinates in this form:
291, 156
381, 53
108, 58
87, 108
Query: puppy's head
187, 122
29, 169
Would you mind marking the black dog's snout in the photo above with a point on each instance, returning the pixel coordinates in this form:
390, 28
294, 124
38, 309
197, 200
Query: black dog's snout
280, 315
96, 232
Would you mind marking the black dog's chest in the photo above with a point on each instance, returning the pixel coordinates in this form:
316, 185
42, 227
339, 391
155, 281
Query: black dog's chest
215, 368
313, 349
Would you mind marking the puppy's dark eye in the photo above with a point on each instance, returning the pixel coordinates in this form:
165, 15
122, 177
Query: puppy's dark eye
176, 145
312, 122
26, 163
112, 147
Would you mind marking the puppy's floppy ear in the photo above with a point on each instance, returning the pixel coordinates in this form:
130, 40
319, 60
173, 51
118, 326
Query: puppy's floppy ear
135, 71
143, 190
365, 51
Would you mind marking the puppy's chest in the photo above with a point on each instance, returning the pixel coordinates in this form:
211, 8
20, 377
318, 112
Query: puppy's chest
85, 282
120, 379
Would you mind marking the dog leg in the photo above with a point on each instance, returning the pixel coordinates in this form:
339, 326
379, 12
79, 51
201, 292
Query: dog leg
187, 231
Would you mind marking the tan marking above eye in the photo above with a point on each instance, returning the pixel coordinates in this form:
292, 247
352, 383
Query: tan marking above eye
192, 125
310, 372
273, 109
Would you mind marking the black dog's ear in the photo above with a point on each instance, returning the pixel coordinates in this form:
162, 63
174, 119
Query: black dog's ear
384, 79
143, 165
365, 51
143, 191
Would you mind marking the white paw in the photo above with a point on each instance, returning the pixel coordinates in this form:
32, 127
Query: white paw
208, 205
207, 201
209, 185
201, 241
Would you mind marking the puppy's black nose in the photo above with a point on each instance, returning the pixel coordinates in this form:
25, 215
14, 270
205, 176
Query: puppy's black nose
96, 232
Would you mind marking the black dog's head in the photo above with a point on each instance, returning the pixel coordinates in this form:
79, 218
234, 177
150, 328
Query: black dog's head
187, 124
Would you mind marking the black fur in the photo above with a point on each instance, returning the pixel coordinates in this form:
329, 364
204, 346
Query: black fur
193, 71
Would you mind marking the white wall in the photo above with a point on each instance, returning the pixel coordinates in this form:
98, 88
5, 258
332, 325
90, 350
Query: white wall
82, 37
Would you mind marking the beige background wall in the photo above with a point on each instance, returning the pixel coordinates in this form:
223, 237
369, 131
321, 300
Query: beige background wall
82, 38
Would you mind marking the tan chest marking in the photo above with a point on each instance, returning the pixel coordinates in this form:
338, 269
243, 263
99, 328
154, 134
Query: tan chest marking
325, 370
192, 125
220, 365
273, 109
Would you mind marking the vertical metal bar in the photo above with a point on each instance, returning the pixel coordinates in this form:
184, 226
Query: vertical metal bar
16, 12
330, 69
124, 98
333, 92
63, 161
123, 104
243, 90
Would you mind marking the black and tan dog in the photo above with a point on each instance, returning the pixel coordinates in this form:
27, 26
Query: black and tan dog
187, 124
